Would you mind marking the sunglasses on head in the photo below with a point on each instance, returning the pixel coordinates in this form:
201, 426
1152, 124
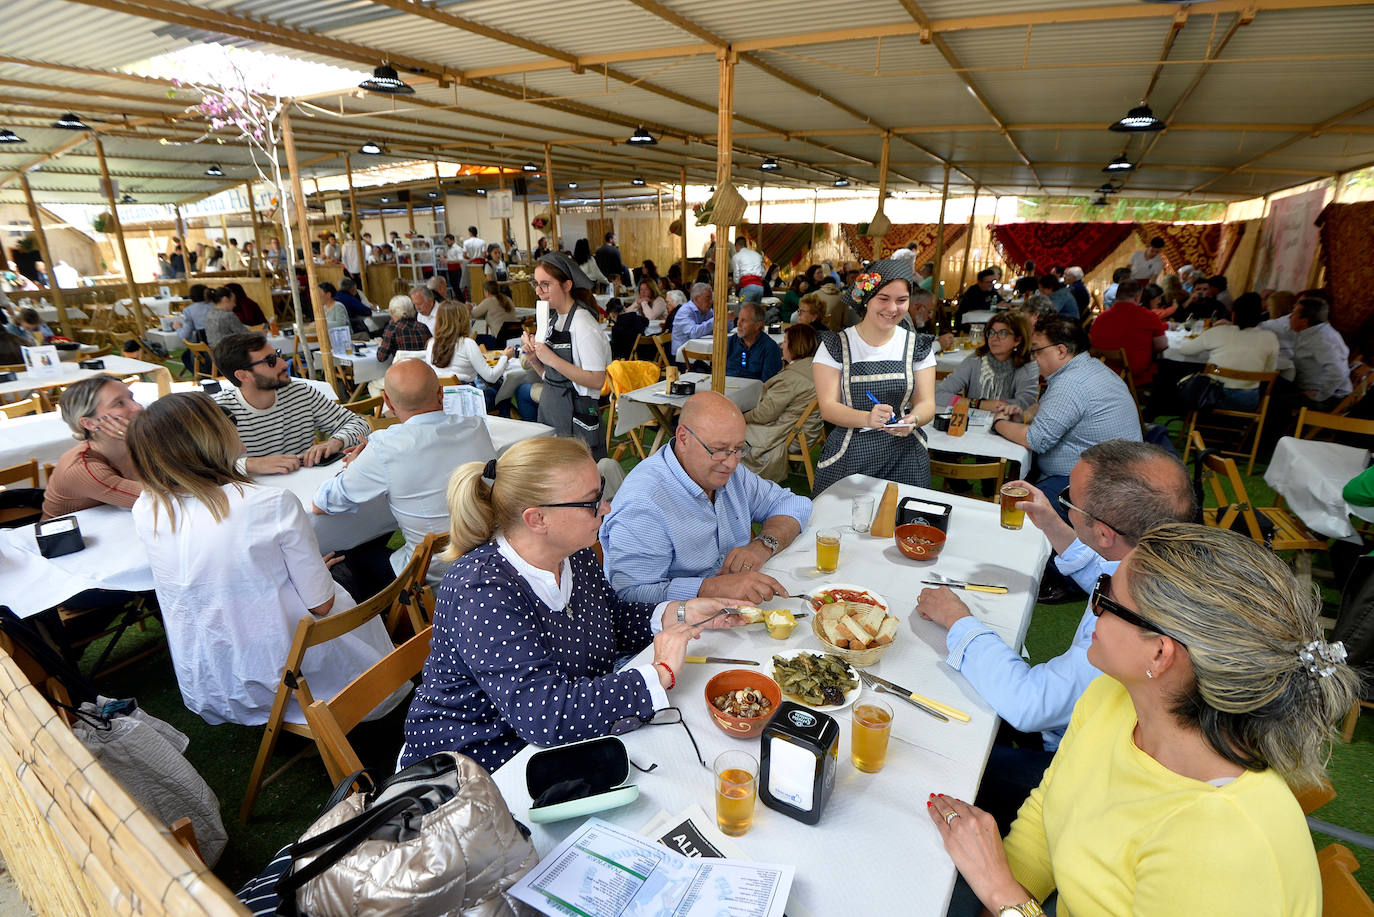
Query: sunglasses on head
1101, 601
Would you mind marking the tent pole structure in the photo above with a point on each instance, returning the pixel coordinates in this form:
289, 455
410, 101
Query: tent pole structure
505, 222
42, 237
658, 199
724, 147
321, 328
257, 239
553, 197
525, 202
602, 212
935, 284
815, 205
356, 219
410, 215
968, 240
683, 204
434, 209
140, 319
882, 191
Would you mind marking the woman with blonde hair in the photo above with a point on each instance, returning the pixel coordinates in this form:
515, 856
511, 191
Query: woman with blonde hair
236, 567
526, 628
1172, 791
648, 301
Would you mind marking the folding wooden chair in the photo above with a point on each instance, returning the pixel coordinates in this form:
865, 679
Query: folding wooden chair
1312, 423
982, 471
30, 405
311, 631
415, 599
662, 344
201, 351
367, 406
331, 721
24, 473
690, 355
1251, 430
798, 445
1342, 895
626, 376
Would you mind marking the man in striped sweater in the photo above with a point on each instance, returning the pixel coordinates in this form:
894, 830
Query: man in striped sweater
277, 418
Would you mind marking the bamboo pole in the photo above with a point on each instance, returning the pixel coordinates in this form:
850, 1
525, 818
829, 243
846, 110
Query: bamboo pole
553, 196
724, 140
968, 239
683, 188
257, 241
136, 307
882, 192
815, 205
525, 204
321, 327
602, 211
356, 219
658, 199
224, 230
505, 221
940, 239
43, 250
434, 209
410, 216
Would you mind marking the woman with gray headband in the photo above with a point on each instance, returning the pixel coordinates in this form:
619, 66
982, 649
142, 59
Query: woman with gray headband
1172, 791
98, 470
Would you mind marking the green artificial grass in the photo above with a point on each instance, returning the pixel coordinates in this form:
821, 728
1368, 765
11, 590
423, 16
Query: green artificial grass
224, 755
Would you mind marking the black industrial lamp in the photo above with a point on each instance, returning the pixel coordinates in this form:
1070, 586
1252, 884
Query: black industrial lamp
1119, 164
641, 137
385, 79
1138, 120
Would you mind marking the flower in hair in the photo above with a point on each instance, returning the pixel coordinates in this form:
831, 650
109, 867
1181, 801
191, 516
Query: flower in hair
867, 283
1321, 658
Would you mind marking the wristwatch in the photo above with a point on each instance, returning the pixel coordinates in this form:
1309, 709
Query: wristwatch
1030, 908
682, 612
769, 542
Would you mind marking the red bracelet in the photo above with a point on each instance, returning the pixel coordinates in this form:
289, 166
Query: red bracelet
672, 684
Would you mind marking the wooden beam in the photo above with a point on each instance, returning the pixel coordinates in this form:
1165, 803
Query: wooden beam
135, 305
968, 241
724, 124
257, 241
356, 218
557, 244
303, 224
682, 215
56, 289
935, 285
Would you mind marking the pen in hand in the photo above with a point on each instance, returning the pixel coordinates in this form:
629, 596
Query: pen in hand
876, 402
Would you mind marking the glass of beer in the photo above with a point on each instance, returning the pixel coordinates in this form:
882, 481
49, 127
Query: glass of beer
736, 776
828, 550
868, 740
1013, 516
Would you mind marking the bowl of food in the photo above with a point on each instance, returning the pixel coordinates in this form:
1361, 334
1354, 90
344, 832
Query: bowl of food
742, 702
919, 542
854, 625
821, 681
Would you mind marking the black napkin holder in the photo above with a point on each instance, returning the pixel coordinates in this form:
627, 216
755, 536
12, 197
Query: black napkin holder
59, 536
575, 780
683, 387
210, 386
775, 328
942, 422
798, 755
9, 375
92, 364
926, 512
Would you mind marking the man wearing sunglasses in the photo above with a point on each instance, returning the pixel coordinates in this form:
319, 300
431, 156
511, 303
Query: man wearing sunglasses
1116, 492
681, 526
277, 419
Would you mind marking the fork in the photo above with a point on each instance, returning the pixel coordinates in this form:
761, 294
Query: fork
881, 688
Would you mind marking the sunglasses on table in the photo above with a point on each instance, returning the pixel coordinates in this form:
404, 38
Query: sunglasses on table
271, 359
668, 716
593, 505
1066, 501
1101, 601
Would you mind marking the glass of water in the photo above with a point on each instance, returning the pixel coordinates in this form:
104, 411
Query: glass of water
861, 514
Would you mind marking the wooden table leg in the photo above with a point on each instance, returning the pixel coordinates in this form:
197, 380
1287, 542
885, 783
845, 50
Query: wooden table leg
663, 413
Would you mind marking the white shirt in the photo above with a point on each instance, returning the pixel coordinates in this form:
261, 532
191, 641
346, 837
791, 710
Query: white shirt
746, 262
1145, 266
473, 247
232, 593
427, 320
591, 348
556, 592
64, 275
1254, 350
454, 254
861, 352
467, 362
410, 464
349, 256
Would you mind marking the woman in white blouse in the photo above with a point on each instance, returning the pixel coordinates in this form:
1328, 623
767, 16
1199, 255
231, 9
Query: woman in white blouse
236, 567
452, 351
648, 302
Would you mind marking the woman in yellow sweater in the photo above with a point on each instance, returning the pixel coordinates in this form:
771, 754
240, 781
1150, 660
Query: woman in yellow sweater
1172, 792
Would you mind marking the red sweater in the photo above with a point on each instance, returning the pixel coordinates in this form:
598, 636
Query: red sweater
1132, 327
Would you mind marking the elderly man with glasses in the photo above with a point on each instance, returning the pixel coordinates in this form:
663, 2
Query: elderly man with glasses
681, 525
1117, 491
277, 418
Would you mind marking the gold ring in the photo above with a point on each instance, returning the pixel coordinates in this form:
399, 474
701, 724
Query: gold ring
950, 816
748, 566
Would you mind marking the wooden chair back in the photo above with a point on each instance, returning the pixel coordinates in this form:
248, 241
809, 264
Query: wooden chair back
1251, 430
30, 405
663, 343
414, 600
369, 406
797, 437
1312, 422
331, 721
996, 472
25, 473
690, 354
201, 354
1342, 895
626, 376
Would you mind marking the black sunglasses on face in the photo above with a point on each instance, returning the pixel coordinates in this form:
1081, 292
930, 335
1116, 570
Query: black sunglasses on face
593, 505
271, 359
668, 716
1101, 601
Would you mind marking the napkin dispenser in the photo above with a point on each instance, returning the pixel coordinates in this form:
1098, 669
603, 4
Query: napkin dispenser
210, 386
926, 512
683, 387
92, 364
797, 760
9, 375
59, 536
577, 779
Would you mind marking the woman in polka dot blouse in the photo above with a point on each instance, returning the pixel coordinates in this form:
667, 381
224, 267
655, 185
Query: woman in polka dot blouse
526, 628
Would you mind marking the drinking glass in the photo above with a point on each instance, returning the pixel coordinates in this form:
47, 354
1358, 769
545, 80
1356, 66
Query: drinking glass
861, 516
1013, 516
828, 550
868, 740
736, 779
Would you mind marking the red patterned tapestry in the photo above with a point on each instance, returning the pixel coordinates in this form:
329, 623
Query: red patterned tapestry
1206, 246
1347, 237
1083, 244
899, 235
784, 243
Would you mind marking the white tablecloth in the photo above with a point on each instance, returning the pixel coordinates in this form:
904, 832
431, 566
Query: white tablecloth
506, 432
948, 360
366, 367
70, 372
1175, 338
377, 321
49, 313
1310, 475
705, 345
978, 439
874, 824
977, 317
114, 557
632, 410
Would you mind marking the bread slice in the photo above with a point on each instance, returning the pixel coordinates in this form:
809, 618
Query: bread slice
873, 619
832, 612
831, 629
856, 633
887, 632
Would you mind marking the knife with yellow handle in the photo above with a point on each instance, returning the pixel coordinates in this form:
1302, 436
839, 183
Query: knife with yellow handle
946, 709
971, 587
718, 660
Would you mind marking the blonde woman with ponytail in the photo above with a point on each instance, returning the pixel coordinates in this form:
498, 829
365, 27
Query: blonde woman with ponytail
526, 628
1172, 792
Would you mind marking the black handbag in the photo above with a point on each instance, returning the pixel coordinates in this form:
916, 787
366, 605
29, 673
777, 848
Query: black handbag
1266, 525
1201, 392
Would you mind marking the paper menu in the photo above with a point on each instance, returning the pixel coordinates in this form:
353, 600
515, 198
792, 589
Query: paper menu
42, 361
541, 321
602, 870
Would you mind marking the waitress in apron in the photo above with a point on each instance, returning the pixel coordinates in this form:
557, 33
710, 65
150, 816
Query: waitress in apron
872, 373
572, 360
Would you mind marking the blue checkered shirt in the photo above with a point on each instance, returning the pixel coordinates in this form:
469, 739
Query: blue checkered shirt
1085, 403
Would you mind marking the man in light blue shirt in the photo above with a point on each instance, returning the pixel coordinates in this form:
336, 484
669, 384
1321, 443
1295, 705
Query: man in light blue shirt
695, 318
1118, 490
681, 524
409, 463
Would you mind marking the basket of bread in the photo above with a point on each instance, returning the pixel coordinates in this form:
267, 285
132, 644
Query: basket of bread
858, 631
